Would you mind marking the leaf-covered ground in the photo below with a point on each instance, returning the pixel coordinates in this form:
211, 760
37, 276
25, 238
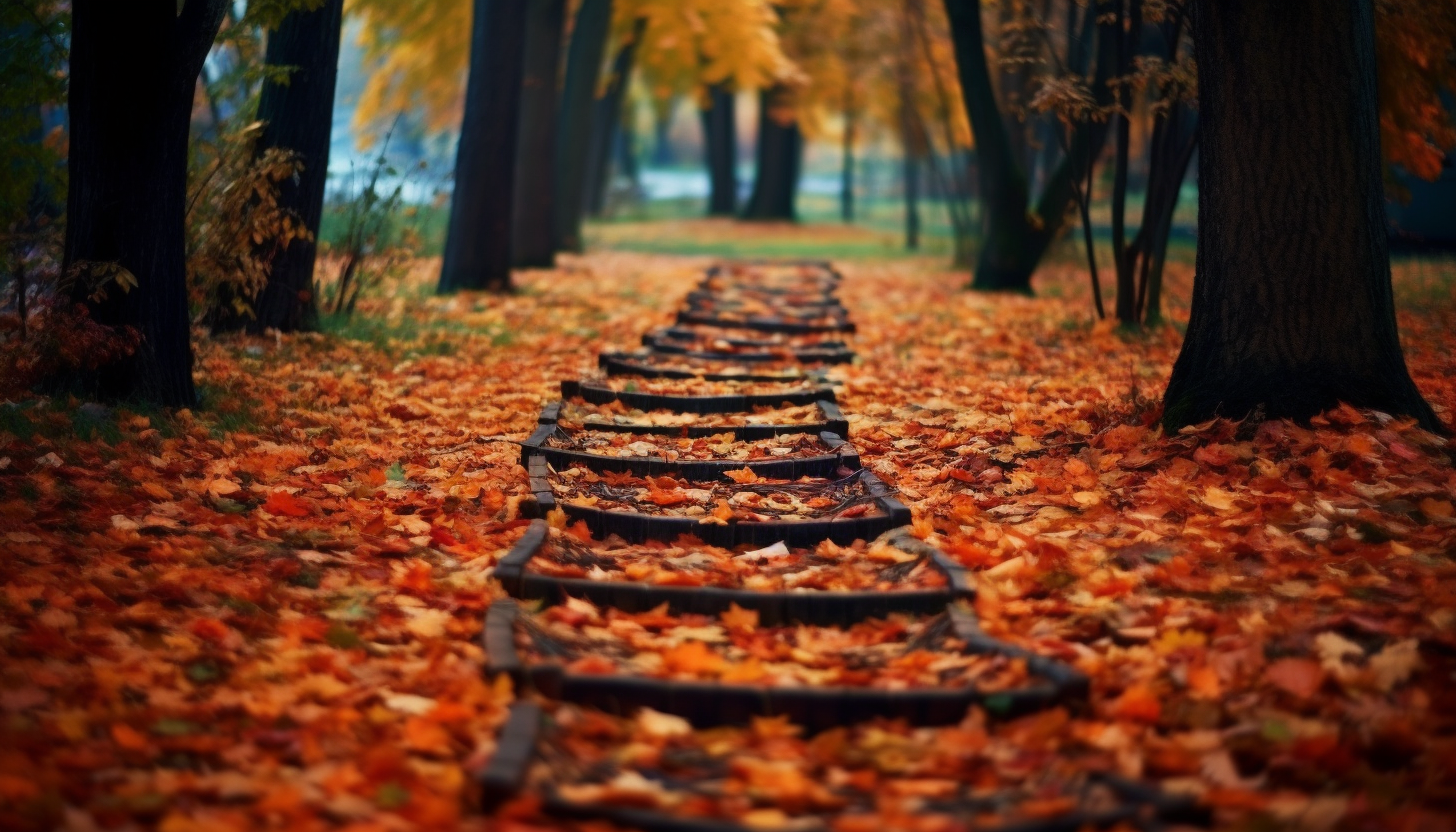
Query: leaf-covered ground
265, 613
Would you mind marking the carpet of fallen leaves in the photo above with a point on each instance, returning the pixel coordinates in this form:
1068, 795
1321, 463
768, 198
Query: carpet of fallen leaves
265, 613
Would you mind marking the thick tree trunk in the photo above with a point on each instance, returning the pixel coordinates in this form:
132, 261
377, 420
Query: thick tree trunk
720, 143
780, 148
1292, 308
606, 121
1013, 242
133, 72
478, 244
533, 244
299, 116
573, 128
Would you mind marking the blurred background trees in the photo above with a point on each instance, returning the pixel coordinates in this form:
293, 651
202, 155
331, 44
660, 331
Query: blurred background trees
298, 150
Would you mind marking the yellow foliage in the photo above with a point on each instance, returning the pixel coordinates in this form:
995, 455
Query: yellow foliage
688, 45
417, 52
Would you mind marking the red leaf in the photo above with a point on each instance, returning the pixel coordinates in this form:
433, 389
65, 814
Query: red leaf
283, 503
1301, 677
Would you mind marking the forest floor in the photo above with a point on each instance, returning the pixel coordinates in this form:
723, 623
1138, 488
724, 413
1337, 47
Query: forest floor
266, 612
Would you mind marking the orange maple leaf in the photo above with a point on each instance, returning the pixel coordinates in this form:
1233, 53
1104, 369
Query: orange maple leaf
693, 658
742, 476
426, 736
1138, 703
738, 618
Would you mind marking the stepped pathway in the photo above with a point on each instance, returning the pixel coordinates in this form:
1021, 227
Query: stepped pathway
722, 620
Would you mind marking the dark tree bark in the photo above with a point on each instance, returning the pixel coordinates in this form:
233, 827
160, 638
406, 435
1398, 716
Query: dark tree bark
1292, 307
780, 149
912, 201
720, 143
1126, 40
573, 128
134, 68
1014, 242
606, 121
299, 116
662, 154
625, 151
478, 244
533, 245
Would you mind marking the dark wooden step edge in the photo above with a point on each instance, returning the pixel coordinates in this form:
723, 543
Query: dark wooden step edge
818, 608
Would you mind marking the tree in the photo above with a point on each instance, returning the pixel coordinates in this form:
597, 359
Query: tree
1016, 236
778, 156
1152, 81
1292, 304
708, 49
298, 115
478, 242
573, 127
532, 238
418, 54
134, 67
32, 53
914, 144
720, 147
607, 120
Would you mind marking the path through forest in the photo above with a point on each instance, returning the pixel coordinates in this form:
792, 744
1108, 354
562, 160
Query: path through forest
268, 611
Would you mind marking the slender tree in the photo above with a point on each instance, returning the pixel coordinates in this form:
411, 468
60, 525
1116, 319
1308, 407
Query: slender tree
661, 128
846, 154
134, 68
720, 146
779, 154
1017, 234
478, 245
532, 238
573, 128
914, 143
1292, 304
1139, 261
606, 122
298, 115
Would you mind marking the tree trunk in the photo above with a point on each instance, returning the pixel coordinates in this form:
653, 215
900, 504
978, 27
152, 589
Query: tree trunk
720, 142
299, 116
780, 148
625, 149
1014, 243
134, 68
573, 128
662, 155
1172, 150
478, 244
606, 120
912, 201
1292, 307
846, 173
532, 238
1124, 259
